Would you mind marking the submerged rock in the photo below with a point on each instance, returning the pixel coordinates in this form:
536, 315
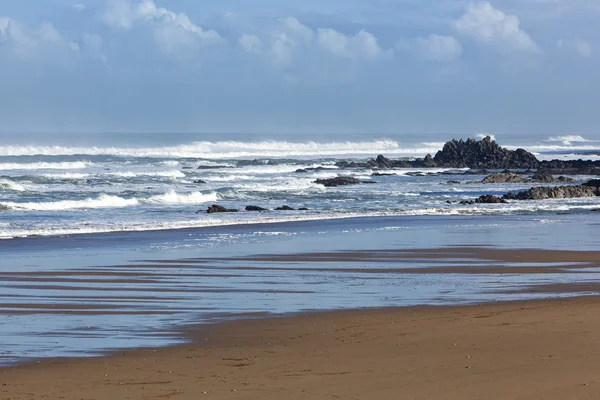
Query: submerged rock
215, 208
338, 181
284, 208
255, 208
199, 181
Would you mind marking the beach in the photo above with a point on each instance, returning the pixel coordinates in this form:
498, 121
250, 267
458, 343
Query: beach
522, 350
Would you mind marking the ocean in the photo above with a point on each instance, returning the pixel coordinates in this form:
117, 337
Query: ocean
110, 183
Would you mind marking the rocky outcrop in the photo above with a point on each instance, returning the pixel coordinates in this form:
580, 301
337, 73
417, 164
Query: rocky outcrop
485, 153
199, 181
338, 181
381, 174
485, 199
247, 163
556, 192
284, 208
504, 177
255, 208
215, 208
570, 167
547, 178
312, 169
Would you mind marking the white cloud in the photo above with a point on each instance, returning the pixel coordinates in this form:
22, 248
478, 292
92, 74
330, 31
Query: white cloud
581, 47
171, 30
250, 43
30, 44
363, 45
78, 7
490, 26
439, 48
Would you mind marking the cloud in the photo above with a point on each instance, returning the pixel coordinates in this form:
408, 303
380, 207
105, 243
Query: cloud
439, 48
250, 43
490, 26
171, 30
78, 7
363, 45
30, 43
581, 47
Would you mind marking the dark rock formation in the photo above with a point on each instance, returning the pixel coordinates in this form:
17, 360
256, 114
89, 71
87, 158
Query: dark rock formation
485, 199
314, 169
381, 174
557, 192
547, 178
338, 181
199, 181
570, 167
284, 208
485, 153
303, 209
255, 208
246, 163
215, 208
476, 172
504, 177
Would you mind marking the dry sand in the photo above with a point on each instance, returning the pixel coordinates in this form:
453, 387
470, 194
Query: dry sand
528, 350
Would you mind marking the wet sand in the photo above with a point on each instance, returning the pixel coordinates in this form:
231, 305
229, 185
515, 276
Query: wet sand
524, 350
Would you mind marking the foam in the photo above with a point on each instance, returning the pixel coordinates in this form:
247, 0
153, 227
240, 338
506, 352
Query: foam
44, 165
6, 184
230, 150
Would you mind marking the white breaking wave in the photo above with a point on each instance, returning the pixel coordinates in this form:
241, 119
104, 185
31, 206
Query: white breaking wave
171, 197
165, 174
102, 201
66, 175
231, 149
567, 140
111, 201
6, 184
44, 165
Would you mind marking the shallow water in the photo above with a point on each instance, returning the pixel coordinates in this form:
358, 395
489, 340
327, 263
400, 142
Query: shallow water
88, 294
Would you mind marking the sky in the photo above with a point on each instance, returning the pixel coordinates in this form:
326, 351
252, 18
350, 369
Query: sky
523, 67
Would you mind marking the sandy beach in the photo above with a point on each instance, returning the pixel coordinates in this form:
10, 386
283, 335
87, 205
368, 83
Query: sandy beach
523, 350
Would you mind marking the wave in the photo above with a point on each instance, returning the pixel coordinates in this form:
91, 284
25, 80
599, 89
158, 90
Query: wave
6, 184
231, 150
164, 174
172, 198
45, 165
66, 175
112, 201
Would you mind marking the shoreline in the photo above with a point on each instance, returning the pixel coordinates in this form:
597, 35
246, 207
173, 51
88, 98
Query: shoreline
329, 351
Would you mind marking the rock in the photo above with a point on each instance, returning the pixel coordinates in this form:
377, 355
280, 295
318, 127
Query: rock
557, 192
453, 182
547, 178
476, 172
215, 208
382, 162
381, 174
504, 177
593, 183
570, 167
489, 199
314, 169
246, 163
485, 153
485, 199
303, 209
255, 208
3, 207
199, 181
284, 208
212, 167
339, 181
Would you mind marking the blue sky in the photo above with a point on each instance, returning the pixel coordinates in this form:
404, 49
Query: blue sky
383, 66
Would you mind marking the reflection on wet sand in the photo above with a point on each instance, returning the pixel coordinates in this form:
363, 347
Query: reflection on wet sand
96, 309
